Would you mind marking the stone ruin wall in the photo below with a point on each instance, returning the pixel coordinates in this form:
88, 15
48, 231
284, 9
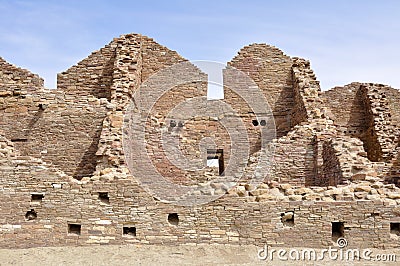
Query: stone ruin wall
64, 180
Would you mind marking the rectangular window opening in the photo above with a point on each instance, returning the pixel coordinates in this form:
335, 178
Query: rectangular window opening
215, 158
215, 91
129, 231
337, 230
74, 229
19, 140
287, 218
103, 197
37, 197
395, 228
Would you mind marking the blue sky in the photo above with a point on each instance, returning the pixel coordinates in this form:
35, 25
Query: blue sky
344, 40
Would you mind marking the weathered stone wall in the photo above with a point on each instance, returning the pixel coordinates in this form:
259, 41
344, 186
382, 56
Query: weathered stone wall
308, 103
60, 130
347, 160
228, 220
271, 71
64, 180
294, 157
91, 76
381, 134
347, 108
11, 75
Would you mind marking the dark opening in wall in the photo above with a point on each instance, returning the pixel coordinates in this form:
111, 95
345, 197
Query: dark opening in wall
172, 123
42, 106
263, 123
19, 140
31, 215
395, 228
37, 197
215, 158
337, 230
129, 231
287, 218
74, 229
173, 218
254, 122
103, 197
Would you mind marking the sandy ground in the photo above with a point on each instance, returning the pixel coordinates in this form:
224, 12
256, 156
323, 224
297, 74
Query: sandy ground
160, 255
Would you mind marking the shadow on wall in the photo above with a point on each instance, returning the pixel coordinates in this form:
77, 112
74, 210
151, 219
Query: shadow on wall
357, 118
87, 165
103, 88
371, 143
283, 112
394, 173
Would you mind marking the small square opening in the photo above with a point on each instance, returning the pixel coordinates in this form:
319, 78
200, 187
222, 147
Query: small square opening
37, 197
395, 228
129, 231
173, 218
74, 229
287, 218
337, 230
31, 215
103, 197
215, 158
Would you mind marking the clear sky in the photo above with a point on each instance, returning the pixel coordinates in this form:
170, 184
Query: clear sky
350, 40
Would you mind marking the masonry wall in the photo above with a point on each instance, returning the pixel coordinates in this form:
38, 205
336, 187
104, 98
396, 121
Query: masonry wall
347, 107
11, 75
91, 76
58, 129
64, 178
228, 220
271, 71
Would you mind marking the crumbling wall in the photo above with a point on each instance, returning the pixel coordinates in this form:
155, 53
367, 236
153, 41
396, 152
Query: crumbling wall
332, 172
308, 104
345, 160
12, 75
271, 71
348, 110
91, 76
60, 130
16, 81
114, 209
126, 78
318, 177
381, 136
137, 57
74, 213
294, 157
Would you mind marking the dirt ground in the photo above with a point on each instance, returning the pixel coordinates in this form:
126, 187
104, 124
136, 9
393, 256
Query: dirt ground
162, 255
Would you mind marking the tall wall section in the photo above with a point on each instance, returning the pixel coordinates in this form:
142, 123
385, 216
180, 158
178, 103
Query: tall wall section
271, 71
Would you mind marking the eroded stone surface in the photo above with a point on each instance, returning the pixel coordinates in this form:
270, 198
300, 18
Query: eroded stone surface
335, 157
